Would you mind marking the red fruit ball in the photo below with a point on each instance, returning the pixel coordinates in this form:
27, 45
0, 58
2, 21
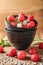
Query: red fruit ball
24, 26
30, 24
13, 23
12, 52
40, 46
35, 57
10, 18
32, 51
21, 17
30, 18
1, 49
21, 55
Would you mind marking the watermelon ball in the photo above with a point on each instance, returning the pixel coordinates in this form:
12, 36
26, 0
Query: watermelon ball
21, 17
31, 24
35, 57
40, 46
12, 52
14, 24
10, 18
30, 18
32, 51
21, 55
1, 49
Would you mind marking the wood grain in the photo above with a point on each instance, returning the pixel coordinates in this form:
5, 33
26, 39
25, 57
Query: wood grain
26, 6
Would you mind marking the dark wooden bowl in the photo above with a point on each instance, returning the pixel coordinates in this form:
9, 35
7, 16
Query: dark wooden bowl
19, 37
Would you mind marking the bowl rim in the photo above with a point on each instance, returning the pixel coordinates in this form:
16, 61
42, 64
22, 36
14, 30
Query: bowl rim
26, 30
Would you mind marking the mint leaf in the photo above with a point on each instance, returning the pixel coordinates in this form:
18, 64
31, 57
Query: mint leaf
7, 44
2, 42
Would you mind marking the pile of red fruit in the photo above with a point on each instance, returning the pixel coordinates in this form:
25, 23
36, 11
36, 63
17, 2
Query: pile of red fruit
34, 56
22, 21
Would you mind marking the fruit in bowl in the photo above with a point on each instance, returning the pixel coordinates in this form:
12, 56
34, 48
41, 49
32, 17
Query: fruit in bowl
21, 30
20, 21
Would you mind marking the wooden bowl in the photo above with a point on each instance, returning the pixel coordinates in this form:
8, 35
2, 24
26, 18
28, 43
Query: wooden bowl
19, 37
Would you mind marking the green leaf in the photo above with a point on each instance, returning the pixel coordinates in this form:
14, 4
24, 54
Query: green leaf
7, 44
2, 42
37, 40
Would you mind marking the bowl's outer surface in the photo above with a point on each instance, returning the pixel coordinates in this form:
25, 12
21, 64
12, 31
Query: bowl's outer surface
21, 40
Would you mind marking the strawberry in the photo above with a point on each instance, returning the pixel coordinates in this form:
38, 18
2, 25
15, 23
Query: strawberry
12, 52
30, 24
40, 46
32, 51
1, 49
10, 18
35, 57
13, 23
30, 18
21, 17
21, 55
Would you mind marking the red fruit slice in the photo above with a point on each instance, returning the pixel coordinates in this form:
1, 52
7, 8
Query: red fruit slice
35, 57
13, 23
12, 52
21, 17
1, 49
30, 24
32, 51
10, 18
40, 46
30, 18
21, 55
